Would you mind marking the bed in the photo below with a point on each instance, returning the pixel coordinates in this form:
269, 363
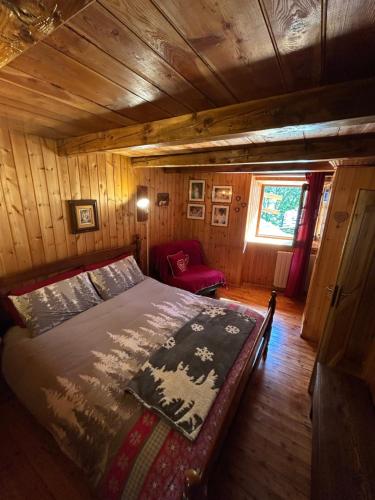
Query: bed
73, 377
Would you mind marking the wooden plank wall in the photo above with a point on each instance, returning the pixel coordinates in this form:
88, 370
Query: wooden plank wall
35, 184
224, 247
347, 181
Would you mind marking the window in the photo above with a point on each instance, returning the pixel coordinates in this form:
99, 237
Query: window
278, 211
273, 210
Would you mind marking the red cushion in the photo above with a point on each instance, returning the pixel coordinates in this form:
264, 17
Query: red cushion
7, 304
97, 265
197, 278
178, 263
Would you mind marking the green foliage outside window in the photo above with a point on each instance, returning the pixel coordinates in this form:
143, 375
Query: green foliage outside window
279, 211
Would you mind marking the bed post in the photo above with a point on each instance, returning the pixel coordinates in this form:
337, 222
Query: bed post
271, 308
194, 489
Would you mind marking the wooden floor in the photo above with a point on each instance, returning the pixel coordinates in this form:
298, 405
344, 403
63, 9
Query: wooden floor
267, 454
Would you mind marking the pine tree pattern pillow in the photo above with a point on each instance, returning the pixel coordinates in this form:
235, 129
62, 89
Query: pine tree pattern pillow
116, 278
47, 307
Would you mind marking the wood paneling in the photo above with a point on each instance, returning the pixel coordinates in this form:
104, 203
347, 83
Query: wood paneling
346, 183
225, 41
23, 23
152, 59
267, 453
313, 150
331, 105
35, 185
225, 247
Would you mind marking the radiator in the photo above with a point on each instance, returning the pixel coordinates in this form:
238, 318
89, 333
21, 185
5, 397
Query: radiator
282, 270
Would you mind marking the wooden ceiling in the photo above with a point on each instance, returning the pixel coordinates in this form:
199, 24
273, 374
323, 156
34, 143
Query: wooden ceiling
120, 62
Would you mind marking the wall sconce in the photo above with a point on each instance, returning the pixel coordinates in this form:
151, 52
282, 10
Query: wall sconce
143, 205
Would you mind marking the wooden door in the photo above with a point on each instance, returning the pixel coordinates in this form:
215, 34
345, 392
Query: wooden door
349, 332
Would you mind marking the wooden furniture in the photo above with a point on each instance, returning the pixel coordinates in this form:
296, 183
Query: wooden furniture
197, 278
195, 480
343, 457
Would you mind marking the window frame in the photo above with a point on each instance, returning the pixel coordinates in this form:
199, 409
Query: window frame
258, 184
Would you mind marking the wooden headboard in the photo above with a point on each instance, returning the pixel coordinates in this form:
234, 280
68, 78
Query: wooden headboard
42, 272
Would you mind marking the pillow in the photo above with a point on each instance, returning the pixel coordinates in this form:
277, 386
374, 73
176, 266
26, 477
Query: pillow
96, 265
47, 307
178, 263
8, 306
114, 279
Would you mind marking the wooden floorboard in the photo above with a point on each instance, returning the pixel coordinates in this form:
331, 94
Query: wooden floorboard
266, 455
268, 450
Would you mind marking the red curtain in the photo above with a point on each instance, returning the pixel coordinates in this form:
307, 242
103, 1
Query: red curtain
305, 235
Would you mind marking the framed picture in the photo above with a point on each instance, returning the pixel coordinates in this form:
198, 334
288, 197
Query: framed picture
196, 211
196, 190
222, 194
220, 215
162, 199
83, 215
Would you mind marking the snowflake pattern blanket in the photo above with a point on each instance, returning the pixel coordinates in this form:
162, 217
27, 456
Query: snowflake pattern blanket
183, 377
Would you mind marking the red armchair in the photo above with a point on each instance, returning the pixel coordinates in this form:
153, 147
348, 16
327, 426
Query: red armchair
198, 278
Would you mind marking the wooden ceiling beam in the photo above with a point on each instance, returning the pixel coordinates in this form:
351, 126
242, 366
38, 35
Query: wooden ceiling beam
342, 104
263, 168
320, 149
23, 23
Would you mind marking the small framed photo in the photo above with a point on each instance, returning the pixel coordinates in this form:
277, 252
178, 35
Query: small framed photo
83, 215
196, 190
220, 215
196, 211
162, 199
222, 194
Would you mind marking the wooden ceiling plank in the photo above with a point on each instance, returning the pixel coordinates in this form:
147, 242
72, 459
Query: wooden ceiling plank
70, 43
350, 40
30, 122
149, 23
136, 106
63, 128
296, 28
296, 168
320, 149
105, 118
26, 98
24, 23
10, 123
335, 105
109, 34
232, 38
46, 63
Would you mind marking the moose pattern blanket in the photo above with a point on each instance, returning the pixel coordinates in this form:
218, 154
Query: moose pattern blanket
182, 378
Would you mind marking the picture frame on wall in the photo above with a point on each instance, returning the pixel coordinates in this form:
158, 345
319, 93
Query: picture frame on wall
197, 190
220, 215
195, 211
162, 199
83, 216
222, 194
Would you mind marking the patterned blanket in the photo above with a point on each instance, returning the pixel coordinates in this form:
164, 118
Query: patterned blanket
183, 377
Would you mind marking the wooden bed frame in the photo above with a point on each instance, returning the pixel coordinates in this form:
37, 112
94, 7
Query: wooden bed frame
195, 480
